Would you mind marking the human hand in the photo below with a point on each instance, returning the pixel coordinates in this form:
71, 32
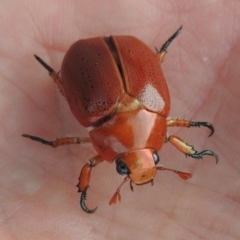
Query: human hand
39, 199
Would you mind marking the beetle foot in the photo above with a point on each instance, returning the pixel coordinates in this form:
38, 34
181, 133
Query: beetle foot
163, 49
204, 124
83, 205
50, 70
199, 155
38, 139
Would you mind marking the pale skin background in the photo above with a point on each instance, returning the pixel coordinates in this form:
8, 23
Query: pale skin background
38, 197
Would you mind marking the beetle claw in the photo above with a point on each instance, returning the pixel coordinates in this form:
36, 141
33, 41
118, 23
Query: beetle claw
199, 155
83, 205
204, 124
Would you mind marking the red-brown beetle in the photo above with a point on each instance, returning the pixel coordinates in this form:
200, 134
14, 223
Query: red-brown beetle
115, 87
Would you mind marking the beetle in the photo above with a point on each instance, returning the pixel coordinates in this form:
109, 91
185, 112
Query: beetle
115, 87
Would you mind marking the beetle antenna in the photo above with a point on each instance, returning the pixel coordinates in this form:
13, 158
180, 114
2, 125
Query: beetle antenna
182, 175
117, 195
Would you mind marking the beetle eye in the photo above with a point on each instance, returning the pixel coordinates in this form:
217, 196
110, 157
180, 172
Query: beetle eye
156, 158
121, 168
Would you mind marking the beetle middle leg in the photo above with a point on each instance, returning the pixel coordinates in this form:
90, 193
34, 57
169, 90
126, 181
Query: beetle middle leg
187, 123
189, 150
55, 76
59, 142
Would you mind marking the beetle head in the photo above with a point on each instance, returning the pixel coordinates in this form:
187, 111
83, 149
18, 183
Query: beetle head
139, 165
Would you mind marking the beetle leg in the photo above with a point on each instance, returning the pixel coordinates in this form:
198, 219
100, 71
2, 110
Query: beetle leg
189, 150
55, 76
59, 142
84, 180
182, 175
163, 50
117, 195
187, 123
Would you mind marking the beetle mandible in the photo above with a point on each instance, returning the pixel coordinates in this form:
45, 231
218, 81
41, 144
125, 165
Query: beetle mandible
115, 87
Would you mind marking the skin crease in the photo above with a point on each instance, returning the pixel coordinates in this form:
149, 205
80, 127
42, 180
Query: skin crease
38, 197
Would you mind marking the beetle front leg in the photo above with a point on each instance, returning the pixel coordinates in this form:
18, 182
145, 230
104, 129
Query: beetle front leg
189, 150
84, 180
55, 76
59, 142
187, 123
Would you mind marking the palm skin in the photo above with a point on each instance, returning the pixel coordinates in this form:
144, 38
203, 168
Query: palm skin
39, 199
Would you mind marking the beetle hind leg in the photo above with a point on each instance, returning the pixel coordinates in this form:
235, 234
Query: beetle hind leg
163, 50
55, 76
189, 150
